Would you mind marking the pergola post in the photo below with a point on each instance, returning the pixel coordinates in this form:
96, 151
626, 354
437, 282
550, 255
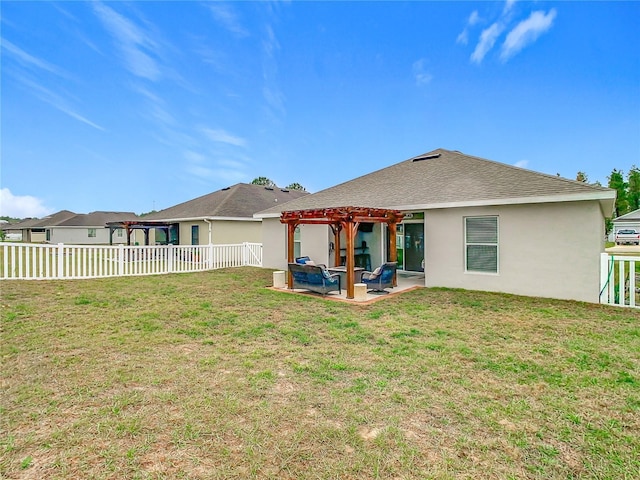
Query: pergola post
291, 232
336, 243
393, 252
351, 229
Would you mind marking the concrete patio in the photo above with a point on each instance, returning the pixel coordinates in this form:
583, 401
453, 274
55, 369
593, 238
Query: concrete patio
406, 281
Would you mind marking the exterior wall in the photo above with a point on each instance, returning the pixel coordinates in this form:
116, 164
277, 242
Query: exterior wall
35, 237
222, 232
314, 242
80, 236
546, 250
274, 244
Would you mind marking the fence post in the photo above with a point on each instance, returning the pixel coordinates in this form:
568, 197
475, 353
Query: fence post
605, 278
245, 256
120, 259
60, 272
170, 251
211, 256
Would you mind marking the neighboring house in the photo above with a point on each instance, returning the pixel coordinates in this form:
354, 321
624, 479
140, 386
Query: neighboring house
470, 223
34, 230
628, 220
89, 229
222, 217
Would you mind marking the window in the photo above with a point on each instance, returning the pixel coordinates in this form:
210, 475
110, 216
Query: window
481, 244
195, 235
119, 232
296, 243
92, 232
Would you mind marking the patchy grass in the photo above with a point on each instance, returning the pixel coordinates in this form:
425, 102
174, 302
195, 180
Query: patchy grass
211, 375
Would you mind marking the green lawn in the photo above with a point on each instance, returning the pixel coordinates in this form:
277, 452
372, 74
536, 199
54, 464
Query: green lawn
212, 375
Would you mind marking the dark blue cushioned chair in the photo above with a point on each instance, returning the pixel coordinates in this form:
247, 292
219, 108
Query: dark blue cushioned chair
380, 278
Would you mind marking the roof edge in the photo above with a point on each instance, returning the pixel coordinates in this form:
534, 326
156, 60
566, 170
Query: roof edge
205, 217
604, 197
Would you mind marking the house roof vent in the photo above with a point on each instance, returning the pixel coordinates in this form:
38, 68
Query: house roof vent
268, 188
226, 188
426, 157
284, 190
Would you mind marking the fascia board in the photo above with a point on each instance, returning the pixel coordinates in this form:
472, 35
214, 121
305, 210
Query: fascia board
575, 197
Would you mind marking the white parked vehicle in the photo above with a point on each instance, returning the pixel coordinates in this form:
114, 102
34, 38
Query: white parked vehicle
627, 235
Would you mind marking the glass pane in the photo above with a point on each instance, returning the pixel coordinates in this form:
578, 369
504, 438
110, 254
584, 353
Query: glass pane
482, 230
482, 258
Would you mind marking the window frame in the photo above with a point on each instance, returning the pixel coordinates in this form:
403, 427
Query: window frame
91, 232
495, 244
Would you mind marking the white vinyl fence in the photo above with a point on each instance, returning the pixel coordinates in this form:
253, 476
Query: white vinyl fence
19, 261
620, 280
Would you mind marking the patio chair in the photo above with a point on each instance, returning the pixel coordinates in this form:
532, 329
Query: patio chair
380, 278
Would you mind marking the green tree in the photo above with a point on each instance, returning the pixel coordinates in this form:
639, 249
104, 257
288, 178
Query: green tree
582, 177
295, 186
263, 181
633, 188
616, 182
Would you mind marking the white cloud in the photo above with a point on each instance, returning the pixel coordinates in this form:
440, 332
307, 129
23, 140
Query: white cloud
522, 163
55, 101
463, 38
488, 38
21, 206
526, 32
134, 44
222, 136
227, 18
508, 6
29, 60
273, 96
421, 76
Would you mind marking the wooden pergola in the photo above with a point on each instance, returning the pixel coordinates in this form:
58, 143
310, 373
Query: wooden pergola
130, 225
341, 218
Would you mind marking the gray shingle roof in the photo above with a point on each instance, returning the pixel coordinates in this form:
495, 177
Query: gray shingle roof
48, 221
98, 219
633, 216
445, 178
239, 201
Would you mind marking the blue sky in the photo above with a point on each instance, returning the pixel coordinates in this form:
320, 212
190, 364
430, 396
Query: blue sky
134, 106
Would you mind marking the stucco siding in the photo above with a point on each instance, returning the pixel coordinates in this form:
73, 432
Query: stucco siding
80, 236
222, 232
314, 241
274, 244
546, 250
230, 232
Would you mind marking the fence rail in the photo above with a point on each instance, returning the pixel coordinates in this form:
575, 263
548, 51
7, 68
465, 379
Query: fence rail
620, 280
19, 261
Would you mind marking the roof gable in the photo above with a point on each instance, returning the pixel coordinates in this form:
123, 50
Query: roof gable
444, 178
629, 217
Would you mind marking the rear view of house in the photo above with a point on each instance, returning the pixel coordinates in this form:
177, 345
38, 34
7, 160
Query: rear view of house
469, 223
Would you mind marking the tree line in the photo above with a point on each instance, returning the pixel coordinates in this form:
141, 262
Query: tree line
627, 188
270, 183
